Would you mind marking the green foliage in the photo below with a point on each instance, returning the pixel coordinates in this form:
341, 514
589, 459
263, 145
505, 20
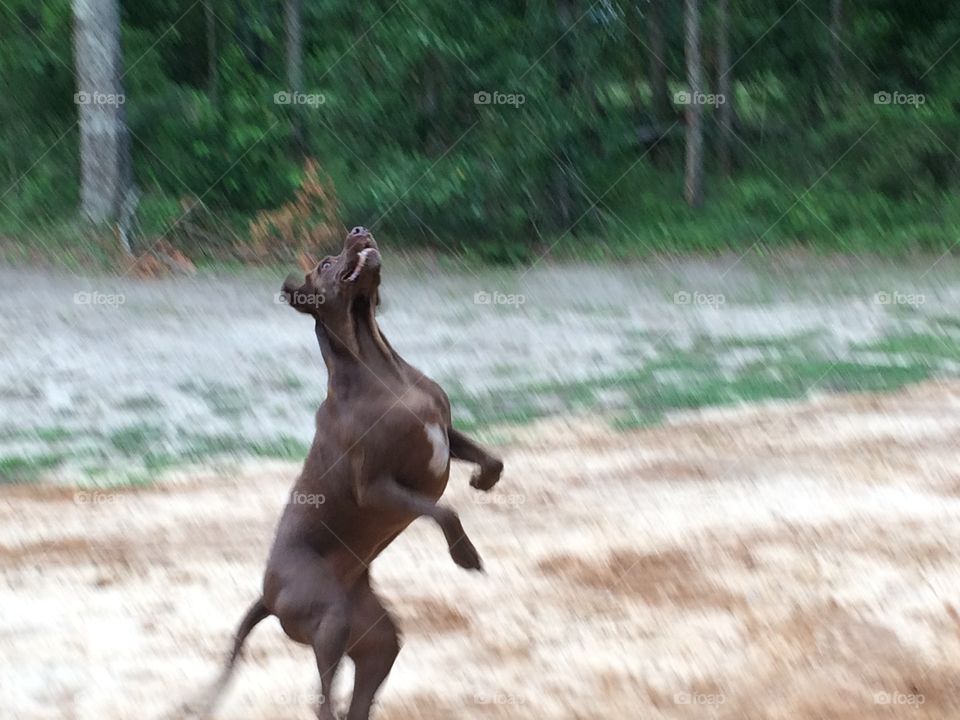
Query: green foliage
395, 124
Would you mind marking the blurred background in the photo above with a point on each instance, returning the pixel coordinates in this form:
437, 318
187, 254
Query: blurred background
619, 207
495, 131
689, 266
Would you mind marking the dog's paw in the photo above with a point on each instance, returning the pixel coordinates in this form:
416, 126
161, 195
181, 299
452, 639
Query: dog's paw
486, 477
465, 555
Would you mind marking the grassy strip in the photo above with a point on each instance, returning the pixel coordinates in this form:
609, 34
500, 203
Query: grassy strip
679, 379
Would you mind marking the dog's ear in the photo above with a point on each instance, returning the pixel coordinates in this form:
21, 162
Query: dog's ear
306, 261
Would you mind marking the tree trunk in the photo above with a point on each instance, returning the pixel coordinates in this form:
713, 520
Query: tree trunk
693, 185
658, 69
213, 73
836, 52
562, 190
724, 89
105, 170
660, 93
293, 49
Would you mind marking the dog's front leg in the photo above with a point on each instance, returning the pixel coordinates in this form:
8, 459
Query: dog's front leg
387, 494
463, 448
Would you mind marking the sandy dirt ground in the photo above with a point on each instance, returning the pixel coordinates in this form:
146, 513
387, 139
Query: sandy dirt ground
789, 561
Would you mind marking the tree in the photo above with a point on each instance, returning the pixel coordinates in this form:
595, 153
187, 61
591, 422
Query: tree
657, 60
562, 190
105, 170
693, 185
724, 88
293, 53
836, 55
657, 63
210, 21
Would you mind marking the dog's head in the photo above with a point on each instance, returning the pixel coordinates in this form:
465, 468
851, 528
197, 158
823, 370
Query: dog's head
331, 289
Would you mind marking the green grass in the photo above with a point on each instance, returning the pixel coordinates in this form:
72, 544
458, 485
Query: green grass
282, 448
947, 321
225, 401
288, 382
753, 214
924, 346
19, 469
135, 440
53, 434
201, 447
140, 403
793, 344
644, 396
706, 372
68, 243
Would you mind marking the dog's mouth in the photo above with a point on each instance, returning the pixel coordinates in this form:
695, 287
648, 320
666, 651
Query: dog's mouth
368, 261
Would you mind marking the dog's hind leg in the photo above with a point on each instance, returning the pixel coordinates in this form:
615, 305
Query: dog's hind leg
329, 645
374, 645
312, 609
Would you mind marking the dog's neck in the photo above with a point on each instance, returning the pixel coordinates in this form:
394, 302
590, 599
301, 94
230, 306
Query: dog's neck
356, 352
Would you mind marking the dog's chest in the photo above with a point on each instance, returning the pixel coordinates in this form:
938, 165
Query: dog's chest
439, 447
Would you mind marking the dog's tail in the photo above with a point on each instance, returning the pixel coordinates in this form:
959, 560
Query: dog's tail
257, 612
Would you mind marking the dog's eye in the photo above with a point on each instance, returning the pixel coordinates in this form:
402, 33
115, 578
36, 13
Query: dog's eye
326, 265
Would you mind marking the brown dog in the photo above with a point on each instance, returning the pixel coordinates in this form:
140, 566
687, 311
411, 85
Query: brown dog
379, 460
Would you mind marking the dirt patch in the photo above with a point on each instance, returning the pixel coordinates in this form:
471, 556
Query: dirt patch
432, 616
789, 562
662, 579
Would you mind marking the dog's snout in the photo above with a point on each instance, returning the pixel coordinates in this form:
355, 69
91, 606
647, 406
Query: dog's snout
359, 231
